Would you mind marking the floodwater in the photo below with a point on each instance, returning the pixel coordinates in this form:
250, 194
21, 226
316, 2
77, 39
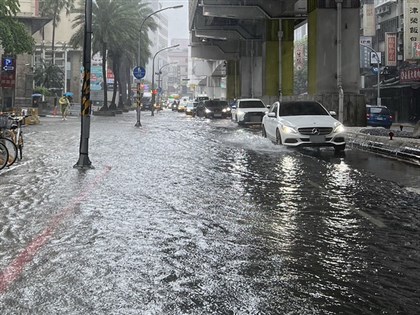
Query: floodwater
193, 216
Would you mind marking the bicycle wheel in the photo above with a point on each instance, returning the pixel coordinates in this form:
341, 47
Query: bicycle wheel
11, 148
20, 145
4, 156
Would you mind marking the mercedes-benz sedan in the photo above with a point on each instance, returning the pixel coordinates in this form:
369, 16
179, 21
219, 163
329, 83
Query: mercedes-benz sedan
303, 123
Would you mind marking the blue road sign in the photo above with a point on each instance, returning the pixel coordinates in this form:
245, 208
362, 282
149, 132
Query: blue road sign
8, 64
139, 72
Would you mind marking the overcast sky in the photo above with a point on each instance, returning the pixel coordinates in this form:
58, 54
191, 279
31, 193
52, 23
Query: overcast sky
177, 19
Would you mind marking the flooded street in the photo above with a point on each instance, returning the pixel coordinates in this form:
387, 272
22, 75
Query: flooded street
195, 216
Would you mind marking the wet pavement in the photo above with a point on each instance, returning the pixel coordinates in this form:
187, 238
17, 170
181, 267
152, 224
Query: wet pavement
398, 142
193, 216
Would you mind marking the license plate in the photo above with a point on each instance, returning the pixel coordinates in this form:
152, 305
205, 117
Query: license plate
379, 118
317, 139
217, 115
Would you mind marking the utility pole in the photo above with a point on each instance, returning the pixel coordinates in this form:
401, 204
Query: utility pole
84, 162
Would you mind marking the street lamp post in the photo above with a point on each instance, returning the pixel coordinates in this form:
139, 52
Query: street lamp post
138, 124
153, 75
378, 100
159, 79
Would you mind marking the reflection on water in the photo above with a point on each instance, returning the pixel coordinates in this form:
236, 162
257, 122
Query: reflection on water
201, 217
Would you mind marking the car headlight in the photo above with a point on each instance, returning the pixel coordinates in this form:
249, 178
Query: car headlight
225, 110
208, 111
338, 128
288, 129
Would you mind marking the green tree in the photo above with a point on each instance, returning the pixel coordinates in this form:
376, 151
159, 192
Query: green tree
49, 76
14, 38
53, 8
115, 26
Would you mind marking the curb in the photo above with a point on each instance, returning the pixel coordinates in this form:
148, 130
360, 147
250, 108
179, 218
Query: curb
405, 149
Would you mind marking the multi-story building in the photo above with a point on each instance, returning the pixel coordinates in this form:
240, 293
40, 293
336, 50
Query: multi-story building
391, 31
178, 80
67, 58
16, 87
159, 40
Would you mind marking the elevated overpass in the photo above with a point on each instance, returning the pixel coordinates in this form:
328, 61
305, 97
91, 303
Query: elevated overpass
255, 40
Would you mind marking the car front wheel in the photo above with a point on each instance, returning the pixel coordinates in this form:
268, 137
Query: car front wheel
263, 132
278, 137
339, 148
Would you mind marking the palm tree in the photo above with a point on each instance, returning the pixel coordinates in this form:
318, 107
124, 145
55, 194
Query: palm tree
115, 26
53, 8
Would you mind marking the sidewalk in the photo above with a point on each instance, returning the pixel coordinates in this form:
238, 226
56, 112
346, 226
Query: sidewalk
377, 140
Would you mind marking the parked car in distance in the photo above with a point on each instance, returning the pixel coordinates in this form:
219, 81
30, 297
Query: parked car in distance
248, 111
378, 116
201, 97
182, 105
191, 108
146, 101
213, 109
303, 123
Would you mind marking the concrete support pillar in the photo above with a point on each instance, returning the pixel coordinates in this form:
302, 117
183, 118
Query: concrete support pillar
287, 62
322, 48
251, 69
233, 82
324, 74
271, 62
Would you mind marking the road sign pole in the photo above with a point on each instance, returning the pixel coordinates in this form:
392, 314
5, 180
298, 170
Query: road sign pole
139, 73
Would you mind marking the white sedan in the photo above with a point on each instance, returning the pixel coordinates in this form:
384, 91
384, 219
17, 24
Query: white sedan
248, 111
303, 123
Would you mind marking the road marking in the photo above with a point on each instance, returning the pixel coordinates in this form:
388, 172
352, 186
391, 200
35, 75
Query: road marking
13, 271
363, 214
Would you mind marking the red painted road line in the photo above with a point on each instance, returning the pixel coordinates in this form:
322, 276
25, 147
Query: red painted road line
15, 269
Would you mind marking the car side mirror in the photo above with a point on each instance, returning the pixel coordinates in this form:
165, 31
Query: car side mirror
233, 106
333, 113
271, 114
268, 106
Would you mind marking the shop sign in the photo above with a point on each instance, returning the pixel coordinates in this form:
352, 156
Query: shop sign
411, 29
410, 75
391, 49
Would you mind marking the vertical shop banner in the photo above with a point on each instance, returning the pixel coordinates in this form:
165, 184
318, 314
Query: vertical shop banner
96, 78
411, 29
110, 78
391, 49
369, 28
364, 51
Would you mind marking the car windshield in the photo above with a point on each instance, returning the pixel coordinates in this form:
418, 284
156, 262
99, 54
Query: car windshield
379, 111
302, 109
251, 104
215, 104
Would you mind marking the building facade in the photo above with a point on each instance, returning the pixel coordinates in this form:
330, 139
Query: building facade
391, 29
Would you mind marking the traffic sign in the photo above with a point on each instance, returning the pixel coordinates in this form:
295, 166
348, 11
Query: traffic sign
139, 72
8, 64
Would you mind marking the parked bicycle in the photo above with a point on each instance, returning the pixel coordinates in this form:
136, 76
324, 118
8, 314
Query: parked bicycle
7, 141
4, 156
11, 136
